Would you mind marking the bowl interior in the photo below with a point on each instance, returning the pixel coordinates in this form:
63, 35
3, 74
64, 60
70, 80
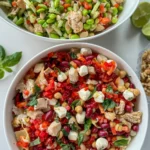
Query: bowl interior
142, 105
129, 8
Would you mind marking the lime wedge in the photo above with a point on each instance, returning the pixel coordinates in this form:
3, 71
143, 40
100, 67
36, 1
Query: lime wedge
146, 30
141, 15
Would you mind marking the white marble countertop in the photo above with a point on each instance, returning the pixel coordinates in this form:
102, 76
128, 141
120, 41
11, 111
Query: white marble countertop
126, 41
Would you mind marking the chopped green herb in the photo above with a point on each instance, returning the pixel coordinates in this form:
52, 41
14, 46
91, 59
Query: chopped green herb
68, 115
33, 101
73, 55
108, 103
57, 69
109, 89
80, 138
121, 142
65, 133
74, 127
35, 142
37, 89
57, 104
75, 103
87, 124
92, 93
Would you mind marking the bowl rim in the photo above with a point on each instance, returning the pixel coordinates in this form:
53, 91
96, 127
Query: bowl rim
73, 40
45, 51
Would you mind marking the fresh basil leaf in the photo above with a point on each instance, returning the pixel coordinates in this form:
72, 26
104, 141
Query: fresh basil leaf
73, 55
75, 103
65, 133
35, 142
57, 104
108, 103
33, 101
12, 60
68, 115
92, 93
37, 89
121, 142
8, 69
2, 53
109, 89
87, 124
66, 146
2, 73
80, 138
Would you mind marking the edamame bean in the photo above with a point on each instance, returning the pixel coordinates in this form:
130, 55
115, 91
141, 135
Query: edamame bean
45, 25
69, 8
114, 11
90, 21
114, 20
41, 21
84, 12
56, 3
39, 33
86, 26
68, 1
120, 8
53, 35
42, 6
50, 20
108, 5
74, 36
52, 16
89, 1
40, 10
19, 21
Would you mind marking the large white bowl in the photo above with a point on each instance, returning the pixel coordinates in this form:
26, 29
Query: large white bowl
129, 8
142, 105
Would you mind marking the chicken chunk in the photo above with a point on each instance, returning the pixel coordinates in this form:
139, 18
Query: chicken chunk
74, 21
41, 80
21, 4
54, 128
120, 108
38, 28
38, 67
124, 122
35, 114
41, 104
110, 116
134, 117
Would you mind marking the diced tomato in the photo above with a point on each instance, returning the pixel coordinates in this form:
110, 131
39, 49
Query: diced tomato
102, 8
105, 21
66, 5
26, 92
22, 104
14, 4
87, 5
116, 5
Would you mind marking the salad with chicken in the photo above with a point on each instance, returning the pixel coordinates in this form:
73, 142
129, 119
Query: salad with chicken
75, 100
64, 19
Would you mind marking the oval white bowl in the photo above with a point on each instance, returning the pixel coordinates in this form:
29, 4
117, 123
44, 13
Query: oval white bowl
129, 8
142, 105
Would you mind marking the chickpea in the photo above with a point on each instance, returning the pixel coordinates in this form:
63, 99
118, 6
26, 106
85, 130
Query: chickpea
88, 132
58, 95
122, 73
136, 92
127, 85
94, 135
117, 71
121, 88
60, 135
64, 104
91, 87
78, 109
94, 144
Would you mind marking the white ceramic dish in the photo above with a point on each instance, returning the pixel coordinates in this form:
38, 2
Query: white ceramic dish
142, 105
129, 8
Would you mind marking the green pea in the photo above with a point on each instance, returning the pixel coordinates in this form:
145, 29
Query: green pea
39, 33
68, 1
86, 26
19, 21
114, 20
74, 36
45, 25
53, 35
85, 12
56, 3
89, 1
52, 16
69, 8
41, 21
90, 21
40, 10
120, 8
114, 11
50, 20
42, 6
108, 5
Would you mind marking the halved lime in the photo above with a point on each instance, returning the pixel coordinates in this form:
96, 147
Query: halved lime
141, 15
146, 30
